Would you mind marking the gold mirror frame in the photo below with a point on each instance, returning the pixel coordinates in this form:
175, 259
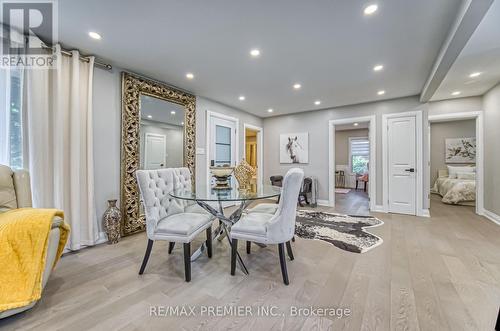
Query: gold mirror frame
132, 88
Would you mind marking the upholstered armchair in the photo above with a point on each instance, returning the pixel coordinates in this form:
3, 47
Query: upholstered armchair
170, 219
15, 192
277, 228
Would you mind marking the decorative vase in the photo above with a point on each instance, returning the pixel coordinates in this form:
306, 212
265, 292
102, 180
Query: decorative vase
112, 218
244, 173
221, 175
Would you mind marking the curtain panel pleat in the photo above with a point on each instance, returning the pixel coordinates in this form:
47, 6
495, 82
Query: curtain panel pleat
58, 108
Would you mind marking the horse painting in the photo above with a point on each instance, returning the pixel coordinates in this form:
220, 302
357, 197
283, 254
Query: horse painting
293, 148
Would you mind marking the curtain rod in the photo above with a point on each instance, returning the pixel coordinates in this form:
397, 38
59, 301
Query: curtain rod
102, 65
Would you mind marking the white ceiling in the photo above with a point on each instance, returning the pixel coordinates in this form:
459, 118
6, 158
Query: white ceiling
328, 46
480, 54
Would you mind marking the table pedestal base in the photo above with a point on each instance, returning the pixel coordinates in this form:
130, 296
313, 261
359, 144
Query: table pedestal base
223, 229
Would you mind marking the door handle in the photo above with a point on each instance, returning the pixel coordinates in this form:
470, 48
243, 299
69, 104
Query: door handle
410, 170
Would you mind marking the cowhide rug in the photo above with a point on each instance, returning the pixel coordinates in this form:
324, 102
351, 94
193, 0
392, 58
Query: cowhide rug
344, 231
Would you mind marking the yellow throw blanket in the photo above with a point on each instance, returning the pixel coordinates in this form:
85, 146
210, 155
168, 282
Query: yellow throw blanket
24, 236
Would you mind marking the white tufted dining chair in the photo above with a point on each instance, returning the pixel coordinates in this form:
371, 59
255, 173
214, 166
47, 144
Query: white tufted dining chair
277, 228
170, 219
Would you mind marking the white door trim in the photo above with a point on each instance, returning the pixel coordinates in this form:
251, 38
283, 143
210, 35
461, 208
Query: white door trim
260, 154
209, 117
419, 160
478, 117
372, 186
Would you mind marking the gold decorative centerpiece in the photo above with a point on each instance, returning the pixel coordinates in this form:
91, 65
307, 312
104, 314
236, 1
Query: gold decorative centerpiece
221, 175
244, 173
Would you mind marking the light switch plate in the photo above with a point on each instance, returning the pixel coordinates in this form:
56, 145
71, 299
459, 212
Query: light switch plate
200, 150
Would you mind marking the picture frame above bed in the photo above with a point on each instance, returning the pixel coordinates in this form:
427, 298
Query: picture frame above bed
460, 150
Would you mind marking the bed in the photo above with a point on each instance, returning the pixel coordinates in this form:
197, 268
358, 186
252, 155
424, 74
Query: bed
455, 191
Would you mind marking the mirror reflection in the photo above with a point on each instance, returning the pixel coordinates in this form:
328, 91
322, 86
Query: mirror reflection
161, 133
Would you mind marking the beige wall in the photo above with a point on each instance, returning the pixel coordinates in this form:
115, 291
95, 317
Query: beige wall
439, 132
491, 104
342, 144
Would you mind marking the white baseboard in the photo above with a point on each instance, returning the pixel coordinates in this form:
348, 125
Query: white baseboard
492, 216
324, 203
424, 213
379, 209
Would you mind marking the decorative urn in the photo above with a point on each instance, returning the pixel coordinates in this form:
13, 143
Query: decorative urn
111, 222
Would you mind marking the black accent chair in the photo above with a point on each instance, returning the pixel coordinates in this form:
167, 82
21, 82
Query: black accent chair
305, 191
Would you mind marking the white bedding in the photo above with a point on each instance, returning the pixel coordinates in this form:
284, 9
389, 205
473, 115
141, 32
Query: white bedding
455, 191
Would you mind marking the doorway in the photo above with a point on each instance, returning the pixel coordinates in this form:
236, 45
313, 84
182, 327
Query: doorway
445, 131
253, 150
352, 165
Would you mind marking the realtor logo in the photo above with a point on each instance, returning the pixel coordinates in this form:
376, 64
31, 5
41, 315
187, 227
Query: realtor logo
26, 30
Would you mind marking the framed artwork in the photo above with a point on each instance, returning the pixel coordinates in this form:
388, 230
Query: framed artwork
460, 150
294, 148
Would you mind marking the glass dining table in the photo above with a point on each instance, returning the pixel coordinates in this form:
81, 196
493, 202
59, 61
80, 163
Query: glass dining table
215, 200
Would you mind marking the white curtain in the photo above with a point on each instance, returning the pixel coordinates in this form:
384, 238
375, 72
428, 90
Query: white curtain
58, 147
4, 116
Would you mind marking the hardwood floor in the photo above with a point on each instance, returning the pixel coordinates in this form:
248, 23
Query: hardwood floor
356, 202
438, 273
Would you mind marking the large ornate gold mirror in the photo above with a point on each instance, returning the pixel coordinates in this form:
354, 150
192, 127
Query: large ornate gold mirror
158, 131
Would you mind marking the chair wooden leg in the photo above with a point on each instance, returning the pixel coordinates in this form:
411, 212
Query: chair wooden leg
187, 261
249, 246
289, 250
146, 256
234, 252
171, 247
284, 273
209, 242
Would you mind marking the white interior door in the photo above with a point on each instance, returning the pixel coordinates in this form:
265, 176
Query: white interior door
223, 142
155, 151
402, 165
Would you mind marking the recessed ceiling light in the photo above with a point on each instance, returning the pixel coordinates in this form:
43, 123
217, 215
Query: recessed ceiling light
378, 67
456, 93
94, 35
474, 74
317, 102
381, 92
242, 97
172, 112
189, 75
255, 52
370, 9
297, 86
356, 124
270, 110
149, 116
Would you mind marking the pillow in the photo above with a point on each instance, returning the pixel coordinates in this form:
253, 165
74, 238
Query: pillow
466, 175
452, 170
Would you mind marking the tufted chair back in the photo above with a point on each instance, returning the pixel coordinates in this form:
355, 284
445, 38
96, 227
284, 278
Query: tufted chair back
282, 226
155, 187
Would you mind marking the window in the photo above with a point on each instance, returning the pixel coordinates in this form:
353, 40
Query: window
359, 155
222, 145
11, 142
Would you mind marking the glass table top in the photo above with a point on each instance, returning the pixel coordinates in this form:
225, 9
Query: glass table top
233, 194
